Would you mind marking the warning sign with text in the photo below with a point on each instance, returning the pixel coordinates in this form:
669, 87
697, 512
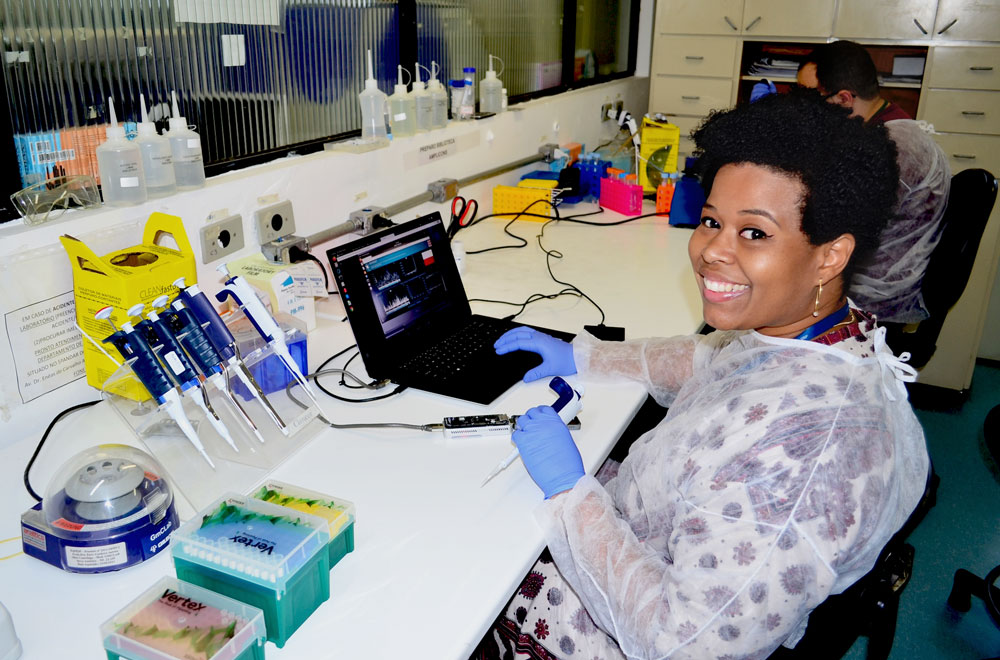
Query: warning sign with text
45, 345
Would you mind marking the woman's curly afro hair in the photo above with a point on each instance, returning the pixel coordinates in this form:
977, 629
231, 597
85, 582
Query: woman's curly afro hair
848, 168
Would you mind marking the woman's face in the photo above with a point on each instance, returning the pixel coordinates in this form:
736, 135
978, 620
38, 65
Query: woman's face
754, 266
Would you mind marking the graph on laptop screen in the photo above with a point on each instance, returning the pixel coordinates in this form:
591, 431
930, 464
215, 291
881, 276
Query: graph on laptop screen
405, 284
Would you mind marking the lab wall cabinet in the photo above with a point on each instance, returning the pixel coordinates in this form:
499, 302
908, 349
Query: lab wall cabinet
701, 51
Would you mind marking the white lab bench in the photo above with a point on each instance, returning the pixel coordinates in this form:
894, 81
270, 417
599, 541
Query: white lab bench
436, 555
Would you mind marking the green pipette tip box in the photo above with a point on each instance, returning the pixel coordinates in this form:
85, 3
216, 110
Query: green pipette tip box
259, 553
338, 512
178, 620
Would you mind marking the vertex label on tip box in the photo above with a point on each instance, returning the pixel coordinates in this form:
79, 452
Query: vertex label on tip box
175, 619
259, 553
277, 282
337, 512
121, 279
657, 150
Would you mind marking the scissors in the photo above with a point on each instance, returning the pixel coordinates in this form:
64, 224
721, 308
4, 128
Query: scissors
463, 214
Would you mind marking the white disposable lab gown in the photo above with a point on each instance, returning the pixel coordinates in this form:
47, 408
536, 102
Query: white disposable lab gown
779, 473
888, 284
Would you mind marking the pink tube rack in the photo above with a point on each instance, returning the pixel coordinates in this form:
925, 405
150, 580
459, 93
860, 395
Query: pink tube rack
621, 196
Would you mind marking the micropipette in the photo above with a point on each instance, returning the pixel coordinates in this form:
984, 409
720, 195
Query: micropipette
242, 293
142, 359
218, 334
192, 337
567, 406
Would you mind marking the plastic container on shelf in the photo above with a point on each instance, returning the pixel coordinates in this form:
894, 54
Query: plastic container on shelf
119, 161
259, 553
491, 89
338, 513
373, 107
174, 619
439, 99
467, 106
185, 149
457, 92
423, 102
157, 160
402, 109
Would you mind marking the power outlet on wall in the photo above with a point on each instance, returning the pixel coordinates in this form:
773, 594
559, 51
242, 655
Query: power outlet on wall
221, 238
274, 221
605, 112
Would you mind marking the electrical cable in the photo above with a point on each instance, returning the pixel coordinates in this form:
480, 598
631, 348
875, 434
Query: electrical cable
45, 435
430, 428
297, 255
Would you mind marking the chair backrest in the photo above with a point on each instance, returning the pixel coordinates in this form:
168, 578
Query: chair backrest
970, 202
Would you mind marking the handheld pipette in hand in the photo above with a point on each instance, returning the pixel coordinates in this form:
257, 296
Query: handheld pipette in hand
567, 406
210, 363
242, 293
218, 334
142, 359
178, 366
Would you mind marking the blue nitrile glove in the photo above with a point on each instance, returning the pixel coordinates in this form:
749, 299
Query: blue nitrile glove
547, 450
763, 88
557, 355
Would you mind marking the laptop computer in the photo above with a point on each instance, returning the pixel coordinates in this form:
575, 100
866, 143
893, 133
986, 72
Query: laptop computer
411, 317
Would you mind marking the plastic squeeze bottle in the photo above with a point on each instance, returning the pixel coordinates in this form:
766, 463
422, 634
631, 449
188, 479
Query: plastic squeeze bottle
185, 148
373, 107
439, 99
402, 109
491, 90
120, 165
157, 163
424, 102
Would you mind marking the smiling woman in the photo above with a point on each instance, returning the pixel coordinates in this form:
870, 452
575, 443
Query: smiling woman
789, 454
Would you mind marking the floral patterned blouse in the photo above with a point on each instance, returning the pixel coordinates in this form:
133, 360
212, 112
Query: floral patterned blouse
780, 471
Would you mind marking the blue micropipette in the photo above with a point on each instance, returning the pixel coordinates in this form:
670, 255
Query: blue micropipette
142, 359
224, 342
568, 405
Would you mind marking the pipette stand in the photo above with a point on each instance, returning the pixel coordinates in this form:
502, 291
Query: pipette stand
192, 477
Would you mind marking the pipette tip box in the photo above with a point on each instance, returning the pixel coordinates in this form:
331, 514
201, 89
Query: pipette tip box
259, 553
338, 513
176, 619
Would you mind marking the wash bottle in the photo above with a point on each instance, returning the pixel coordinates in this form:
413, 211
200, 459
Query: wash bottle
373, 107
423, 102
402, 109
120, 165
185, 148
157, 163
491, 90
439, 99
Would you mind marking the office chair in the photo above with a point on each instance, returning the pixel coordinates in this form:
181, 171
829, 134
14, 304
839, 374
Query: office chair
867, 608
966, 584
970, 202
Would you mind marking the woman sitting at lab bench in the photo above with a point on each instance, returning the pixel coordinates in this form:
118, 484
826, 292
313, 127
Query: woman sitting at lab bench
789, 454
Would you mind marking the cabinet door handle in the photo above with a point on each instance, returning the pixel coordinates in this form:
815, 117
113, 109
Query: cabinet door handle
752, 23
964, 156
921, 27
694, 57
973, 113
945, 28
980, 68
691, 98
731, 24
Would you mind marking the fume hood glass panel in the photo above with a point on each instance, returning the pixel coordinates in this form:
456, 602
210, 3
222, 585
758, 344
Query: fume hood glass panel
602, 38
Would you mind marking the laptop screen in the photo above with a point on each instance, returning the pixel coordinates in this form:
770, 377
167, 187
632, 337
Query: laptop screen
400, 287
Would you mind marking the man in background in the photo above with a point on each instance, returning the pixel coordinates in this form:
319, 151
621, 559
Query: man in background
888, 284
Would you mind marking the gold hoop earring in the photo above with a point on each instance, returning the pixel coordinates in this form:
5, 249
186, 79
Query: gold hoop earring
819, 293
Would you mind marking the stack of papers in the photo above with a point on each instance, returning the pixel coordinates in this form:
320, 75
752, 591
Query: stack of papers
769, 67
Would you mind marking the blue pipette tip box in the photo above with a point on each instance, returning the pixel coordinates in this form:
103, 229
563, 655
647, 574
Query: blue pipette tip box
339, 513
260, 553
178, 620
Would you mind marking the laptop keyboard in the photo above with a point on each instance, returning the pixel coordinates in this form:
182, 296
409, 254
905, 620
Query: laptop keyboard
452, 355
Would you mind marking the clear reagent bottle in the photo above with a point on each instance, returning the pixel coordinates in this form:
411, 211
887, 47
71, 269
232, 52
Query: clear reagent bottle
402, 109
423, 101
373, 107
491, 89
120, 165
457, 92
157, 163
467, 108
439, 99
185, 149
